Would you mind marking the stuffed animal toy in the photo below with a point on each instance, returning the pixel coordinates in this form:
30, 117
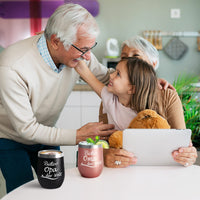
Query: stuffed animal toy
144, 119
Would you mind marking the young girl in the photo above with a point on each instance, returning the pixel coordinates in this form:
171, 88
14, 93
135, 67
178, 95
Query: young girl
131, 89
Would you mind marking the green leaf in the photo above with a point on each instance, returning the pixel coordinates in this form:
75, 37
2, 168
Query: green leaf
90, 140
191, 105
97, 139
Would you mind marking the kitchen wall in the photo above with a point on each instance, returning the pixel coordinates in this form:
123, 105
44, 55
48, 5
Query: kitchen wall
123, 19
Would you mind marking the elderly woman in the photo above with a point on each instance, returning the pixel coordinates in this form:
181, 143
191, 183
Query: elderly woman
169, 106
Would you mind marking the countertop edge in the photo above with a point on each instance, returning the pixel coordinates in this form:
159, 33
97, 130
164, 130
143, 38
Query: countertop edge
82, 87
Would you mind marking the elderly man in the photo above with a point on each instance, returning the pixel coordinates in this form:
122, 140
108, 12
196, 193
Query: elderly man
36, 78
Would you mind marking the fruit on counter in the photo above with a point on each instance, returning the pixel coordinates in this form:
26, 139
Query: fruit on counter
104, 143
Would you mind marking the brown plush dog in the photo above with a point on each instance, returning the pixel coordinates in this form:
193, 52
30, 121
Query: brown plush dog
144, 119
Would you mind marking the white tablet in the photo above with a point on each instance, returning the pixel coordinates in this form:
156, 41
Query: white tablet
155, 146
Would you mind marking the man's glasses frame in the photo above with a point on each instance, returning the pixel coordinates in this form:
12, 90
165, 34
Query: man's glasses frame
84, 52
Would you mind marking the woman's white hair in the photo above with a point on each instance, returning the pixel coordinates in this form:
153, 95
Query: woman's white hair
144, 46
66, 20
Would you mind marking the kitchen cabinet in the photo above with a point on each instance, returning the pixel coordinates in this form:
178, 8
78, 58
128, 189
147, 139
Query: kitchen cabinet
81, 107
70, 116
2, 185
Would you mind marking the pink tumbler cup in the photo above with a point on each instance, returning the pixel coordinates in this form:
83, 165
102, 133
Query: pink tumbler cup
90, 159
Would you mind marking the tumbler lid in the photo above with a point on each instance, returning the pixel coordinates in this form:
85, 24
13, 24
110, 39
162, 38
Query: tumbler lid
51, 153
85, 144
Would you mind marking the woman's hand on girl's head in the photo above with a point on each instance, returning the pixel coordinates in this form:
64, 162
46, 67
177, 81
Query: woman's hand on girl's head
185, 156
118, 158
163, 84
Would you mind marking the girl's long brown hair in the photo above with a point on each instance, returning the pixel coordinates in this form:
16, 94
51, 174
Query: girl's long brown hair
143, 77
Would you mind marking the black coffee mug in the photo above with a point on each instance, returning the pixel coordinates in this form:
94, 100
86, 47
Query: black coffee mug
50, 168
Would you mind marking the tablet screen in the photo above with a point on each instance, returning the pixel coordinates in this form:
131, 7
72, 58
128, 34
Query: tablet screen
155, 146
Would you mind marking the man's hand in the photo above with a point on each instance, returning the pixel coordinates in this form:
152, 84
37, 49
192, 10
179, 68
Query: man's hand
118, 158
93, 129
163, 84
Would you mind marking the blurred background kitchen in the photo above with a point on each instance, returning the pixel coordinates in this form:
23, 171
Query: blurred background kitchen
121, 20
157, 20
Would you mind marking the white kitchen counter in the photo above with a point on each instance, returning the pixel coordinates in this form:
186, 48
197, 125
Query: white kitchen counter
136, 182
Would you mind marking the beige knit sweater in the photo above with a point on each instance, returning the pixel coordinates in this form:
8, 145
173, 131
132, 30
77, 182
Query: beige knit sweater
32, 95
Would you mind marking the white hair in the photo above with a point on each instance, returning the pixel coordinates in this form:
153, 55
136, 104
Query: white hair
66, 20
144, 46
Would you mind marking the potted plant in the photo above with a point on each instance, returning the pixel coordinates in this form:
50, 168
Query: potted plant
187, 91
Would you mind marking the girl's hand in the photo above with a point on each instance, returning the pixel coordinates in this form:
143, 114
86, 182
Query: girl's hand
85, 73
163, 84
185, 156
81, 68
118, 158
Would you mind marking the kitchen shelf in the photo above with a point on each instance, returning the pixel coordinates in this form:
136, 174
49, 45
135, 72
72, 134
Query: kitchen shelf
155, 36
171, 33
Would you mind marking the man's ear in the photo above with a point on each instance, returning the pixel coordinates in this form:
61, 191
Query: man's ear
131, 89
54, 41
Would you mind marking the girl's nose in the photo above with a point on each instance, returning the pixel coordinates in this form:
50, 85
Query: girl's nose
112, 75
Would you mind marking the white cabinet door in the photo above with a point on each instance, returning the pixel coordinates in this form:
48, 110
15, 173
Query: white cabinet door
89, 114
90, 99
81, 108
74, 99
70, 118
69, 155
90, 102
2, 185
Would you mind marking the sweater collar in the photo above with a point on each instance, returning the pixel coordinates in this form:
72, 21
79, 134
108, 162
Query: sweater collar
44, 52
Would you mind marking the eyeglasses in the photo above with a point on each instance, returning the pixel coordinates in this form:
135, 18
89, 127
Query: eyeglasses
84, 52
